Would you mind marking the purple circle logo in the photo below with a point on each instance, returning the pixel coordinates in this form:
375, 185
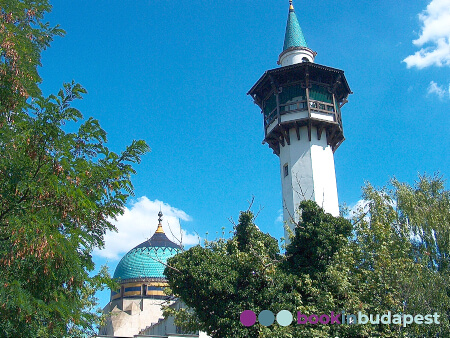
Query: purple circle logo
248, 318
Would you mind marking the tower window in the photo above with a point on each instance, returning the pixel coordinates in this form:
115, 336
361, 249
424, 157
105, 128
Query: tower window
286, 170
305, 59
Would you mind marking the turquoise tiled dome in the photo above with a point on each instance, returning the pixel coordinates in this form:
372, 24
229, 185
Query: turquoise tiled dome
144, 260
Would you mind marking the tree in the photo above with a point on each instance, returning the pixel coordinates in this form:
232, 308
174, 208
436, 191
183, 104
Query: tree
247, 272
59, 191
23, 36
225, 278
400, 254
317, 256
392, 256
318, 236
424, 210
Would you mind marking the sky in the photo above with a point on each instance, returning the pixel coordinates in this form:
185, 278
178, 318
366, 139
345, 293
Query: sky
176, 74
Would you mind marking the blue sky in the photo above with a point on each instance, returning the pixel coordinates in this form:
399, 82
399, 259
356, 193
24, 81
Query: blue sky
176, 74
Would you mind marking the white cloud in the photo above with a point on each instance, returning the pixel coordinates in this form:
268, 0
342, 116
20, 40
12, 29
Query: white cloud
434, 38
279, 219
362, 206
440, 91
139, 222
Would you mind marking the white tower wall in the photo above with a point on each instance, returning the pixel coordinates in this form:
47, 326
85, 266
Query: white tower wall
296, 55
311, 174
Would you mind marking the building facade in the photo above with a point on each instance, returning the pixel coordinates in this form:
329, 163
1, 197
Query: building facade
135, 309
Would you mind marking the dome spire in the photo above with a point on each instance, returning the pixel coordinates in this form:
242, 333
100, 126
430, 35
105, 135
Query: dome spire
159, 230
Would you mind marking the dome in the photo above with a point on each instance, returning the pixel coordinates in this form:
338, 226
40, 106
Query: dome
146, 260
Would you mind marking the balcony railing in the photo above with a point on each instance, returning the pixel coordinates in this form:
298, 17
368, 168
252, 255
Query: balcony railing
323, 108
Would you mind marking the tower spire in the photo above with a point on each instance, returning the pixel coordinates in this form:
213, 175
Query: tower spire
294, 35
295, 49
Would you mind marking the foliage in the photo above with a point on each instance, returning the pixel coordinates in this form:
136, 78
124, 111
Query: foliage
59, 191
400, 254
219, 280
23, 35
393, 256
247, 272
424, 210
317, 238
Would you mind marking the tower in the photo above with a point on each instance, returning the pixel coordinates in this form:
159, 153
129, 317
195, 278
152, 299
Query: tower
301, 104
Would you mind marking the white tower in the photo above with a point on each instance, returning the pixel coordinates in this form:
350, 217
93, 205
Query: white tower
301, 102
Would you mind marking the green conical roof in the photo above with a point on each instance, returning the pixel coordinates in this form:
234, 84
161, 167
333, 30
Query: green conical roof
294, 35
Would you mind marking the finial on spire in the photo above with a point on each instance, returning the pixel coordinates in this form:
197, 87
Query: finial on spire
159, 230
291, 6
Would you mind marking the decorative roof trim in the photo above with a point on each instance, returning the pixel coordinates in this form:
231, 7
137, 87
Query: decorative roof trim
267, 73
143, 280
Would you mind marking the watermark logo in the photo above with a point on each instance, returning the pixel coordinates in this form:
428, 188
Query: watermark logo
285, 318
266, 318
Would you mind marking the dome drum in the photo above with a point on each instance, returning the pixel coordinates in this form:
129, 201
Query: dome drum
150, 288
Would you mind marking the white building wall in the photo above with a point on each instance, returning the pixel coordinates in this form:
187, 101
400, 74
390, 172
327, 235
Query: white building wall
297, 55
166, 327
311, 175
130, 318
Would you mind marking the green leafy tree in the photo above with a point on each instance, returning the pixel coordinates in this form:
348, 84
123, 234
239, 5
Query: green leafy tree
247, 272
393, 256
318, 236
59, 191
316, 257
424, 210
224, 278
399, 255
